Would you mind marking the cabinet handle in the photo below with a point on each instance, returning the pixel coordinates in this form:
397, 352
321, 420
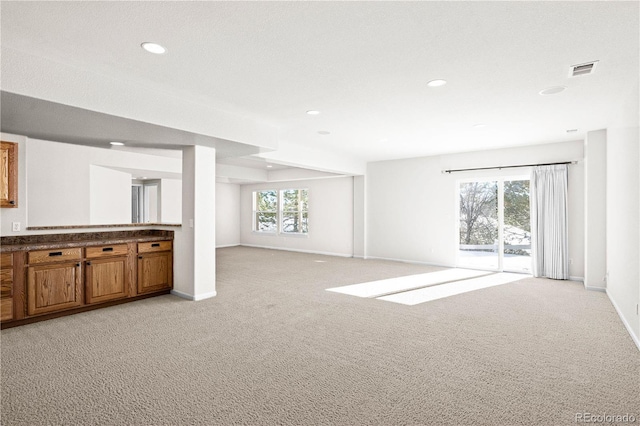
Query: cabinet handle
139, 257
55, 253
77, 264
155, 245
107, 249
12, 202
88, 263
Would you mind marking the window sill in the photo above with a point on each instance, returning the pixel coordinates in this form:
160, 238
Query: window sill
281, 234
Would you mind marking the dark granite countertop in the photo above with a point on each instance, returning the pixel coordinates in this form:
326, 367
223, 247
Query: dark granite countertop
84, 239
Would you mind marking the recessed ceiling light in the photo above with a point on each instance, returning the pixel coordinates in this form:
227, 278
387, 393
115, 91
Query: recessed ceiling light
436, 83
313, 112
553, 90
116, 143
479, 125
324, 132
269, 166
572, 130
153, 48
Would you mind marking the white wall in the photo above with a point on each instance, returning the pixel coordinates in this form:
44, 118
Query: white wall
109, 196
227, 214
623, 232
59, 179
171, 201
359, 216
412, 205
330, 217
595, 168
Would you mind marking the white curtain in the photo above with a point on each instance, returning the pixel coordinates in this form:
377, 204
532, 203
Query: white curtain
549, 223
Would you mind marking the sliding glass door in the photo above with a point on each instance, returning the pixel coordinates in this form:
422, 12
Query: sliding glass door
494, 227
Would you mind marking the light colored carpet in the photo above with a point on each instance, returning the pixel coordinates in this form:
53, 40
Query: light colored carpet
275, 348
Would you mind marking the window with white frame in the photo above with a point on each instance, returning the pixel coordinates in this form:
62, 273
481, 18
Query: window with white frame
284, 211
265, 211
294, 207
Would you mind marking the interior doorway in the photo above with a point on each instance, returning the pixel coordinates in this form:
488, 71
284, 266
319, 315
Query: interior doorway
494, 226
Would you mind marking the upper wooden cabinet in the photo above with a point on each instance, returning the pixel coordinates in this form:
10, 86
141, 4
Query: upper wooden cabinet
8, 174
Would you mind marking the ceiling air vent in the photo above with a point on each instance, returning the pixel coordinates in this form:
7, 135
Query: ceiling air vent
582, 69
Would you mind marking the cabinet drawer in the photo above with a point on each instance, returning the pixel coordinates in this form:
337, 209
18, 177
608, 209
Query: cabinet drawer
106, 251
6, 309
154, 246
55, 255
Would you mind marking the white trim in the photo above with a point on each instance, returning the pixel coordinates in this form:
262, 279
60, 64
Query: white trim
635, 338
193, 298
591, 288
358, 257
324, 253
581, 279
415, 262
228, 245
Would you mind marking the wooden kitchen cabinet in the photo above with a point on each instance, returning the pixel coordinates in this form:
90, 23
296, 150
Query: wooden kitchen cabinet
54, 286
80, 272
155, 266
6, 292
8, 174
106, 271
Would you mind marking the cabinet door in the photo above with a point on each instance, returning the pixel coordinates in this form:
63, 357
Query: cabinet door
54, 287
154, 272
106, 279
6, 288
8, 174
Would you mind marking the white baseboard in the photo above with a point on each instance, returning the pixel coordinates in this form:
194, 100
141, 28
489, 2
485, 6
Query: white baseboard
193, 298
413, 262
580, 279
635, 338
228, 245
600, 289
324, 253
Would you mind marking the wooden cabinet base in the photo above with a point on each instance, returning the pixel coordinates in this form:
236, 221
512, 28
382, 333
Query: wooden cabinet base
78, 310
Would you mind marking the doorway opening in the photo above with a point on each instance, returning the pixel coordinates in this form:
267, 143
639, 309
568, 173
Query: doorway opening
494, 227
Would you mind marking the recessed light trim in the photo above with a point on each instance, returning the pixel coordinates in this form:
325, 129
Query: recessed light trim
114, 143
154, 48
269, 166
324, 132
572, 130
436, 83
554, 90
313, 112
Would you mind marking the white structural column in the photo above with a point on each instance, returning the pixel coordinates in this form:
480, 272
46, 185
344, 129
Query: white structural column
595, 174
195, 247
359, 217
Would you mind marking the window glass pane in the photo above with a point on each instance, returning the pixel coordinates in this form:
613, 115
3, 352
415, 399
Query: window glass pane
267, 200
290, 201
266, 222
305, 222
478, 240
291, 223
304, 199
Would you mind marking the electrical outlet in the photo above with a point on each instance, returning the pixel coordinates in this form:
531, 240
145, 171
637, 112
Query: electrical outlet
15, 226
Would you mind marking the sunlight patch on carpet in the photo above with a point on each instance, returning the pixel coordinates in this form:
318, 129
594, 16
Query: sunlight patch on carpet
394, 285
441, 291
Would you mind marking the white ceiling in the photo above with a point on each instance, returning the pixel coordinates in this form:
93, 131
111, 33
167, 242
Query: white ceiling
364, 65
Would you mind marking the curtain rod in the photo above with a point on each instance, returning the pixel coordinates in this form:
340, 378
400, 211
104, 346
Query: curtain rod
508, 167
